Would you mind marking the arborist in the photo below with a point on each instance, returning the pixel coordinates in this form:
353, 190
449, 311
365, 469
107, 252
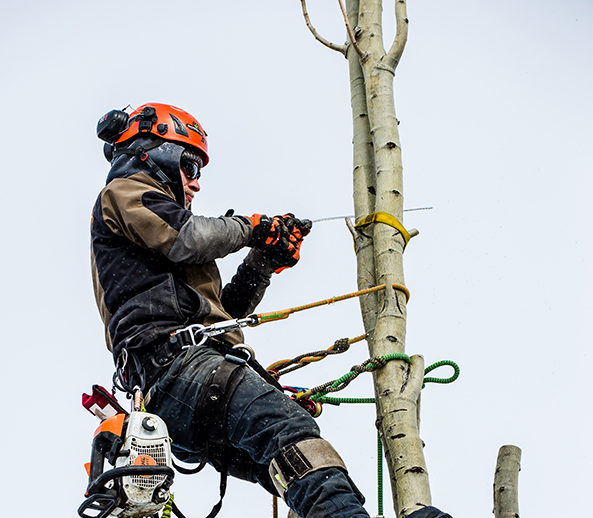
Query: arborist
154, 273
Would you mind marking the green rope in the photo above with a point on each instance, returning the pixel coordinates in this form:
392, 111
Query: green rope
436, 365
379, 475
337, 401
368, 366
319, 393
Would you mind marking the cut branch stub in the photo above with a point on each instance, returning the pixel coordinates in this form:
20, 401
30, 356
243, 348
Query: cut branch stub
506, 482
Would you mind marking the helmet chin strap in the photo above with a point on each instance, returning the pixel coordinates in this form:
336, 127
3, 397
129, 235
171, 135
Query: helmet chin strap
141, 152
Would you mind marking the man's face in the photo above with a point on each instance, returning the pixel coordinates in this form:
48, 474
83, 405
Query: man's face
190, 174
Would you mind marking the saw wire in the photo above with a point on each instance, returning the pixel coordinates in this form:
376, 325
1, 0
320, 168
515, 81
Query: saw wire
331, 218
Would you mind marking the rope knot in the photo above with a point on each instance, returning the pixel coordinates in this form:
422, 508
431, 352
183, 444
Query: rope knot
379, 362
341, 345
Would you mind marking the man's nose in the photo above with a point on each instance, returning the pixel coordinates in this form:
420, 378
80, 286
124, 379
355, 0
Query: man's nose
194, 185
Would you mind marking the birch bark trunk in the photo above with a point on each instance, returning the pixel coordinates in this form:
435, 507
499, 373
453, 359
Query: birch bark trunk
398, 384
378, 187
506, 482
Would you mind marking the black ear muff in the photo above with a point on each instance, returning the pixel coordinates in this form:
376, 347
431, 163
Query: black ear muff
108, 151
112, 125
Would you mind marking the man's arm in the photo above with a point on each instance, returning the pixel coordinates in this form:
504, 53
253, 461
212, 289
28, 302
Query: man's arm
247, 287
151, 218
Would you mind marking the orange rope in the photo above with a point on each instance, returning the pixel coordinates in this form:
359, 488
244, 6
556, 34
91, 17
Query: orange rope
280, 364
279, 315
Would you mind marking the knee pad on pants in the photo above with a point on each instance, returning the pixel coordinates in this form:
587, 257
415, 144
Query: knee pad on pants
299, 459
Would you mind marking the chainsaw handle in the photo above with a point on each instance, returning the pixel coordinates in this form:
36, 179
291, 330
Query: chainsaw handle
105, 445
98, 484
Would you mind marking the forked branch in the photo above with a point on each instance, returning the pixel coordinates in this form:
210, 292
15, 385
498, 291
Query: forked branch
401, 36
334, 46
350, 31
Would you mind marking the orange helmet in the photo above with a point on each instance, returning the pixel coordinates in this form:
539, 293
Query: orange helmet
169, 123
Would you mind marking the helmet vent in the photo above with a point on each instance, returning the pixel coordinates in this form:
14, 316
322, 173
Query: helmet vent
179, 127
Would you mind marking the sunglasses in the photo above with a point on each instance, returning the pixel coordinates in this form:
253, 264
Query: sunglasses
191, 169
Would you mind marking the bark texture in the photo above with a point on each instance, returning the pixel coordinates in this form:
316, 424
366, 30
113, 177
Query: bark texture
506, 482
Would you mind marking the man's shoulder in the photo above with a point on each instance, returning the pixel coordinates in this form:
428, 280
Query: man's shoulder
136, 183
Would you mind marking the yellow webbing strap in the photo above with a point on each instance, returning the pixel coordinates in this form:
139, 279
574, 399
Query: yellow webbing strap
388, 219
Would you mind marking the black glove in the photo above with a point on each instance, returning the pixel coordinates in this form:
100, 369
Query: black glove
266, 231
286, 253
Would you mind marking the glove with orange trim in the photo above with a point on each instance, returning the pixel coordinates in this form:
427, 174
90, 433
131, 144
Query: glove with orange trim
266, 231
287, 252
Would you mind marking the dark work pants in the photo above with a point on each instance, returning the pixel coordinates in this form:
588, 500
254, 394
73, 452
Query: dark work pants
261, 421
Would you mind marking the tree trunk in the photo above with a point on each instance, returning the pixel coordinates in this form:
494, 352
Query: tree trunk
398, 384
506, 482
378, 187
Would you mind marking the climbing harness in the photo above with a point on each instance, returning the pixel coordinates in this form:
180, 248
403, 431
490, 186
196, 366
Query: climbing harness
109, 492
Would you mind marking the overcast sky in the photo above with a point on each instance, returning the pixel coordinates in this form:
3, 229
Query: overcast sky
495, 103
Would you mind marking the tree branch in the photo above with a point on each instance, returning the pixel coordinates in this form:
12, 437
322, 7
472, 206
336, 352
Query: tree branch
401, 36
359, 51
339, 48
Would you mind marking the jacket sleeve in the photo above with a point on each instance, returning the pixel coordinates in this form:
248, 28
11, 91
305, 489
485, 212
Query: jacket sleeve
247, 287
151, 218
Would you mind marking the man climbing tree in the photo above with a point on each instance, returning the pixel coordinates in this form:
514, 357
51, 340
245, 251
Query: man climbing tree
154, 272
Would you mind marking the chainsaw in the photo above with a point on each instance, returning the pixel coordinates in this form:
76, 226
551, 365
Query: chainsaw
137, 446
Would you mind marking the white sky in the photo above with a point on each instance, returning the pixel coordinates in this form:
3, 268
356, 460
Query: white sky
496, 108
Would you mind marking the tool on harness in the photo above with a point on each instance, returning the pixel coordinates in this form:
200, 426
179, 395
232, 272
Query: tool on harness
137, 445
101, 403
